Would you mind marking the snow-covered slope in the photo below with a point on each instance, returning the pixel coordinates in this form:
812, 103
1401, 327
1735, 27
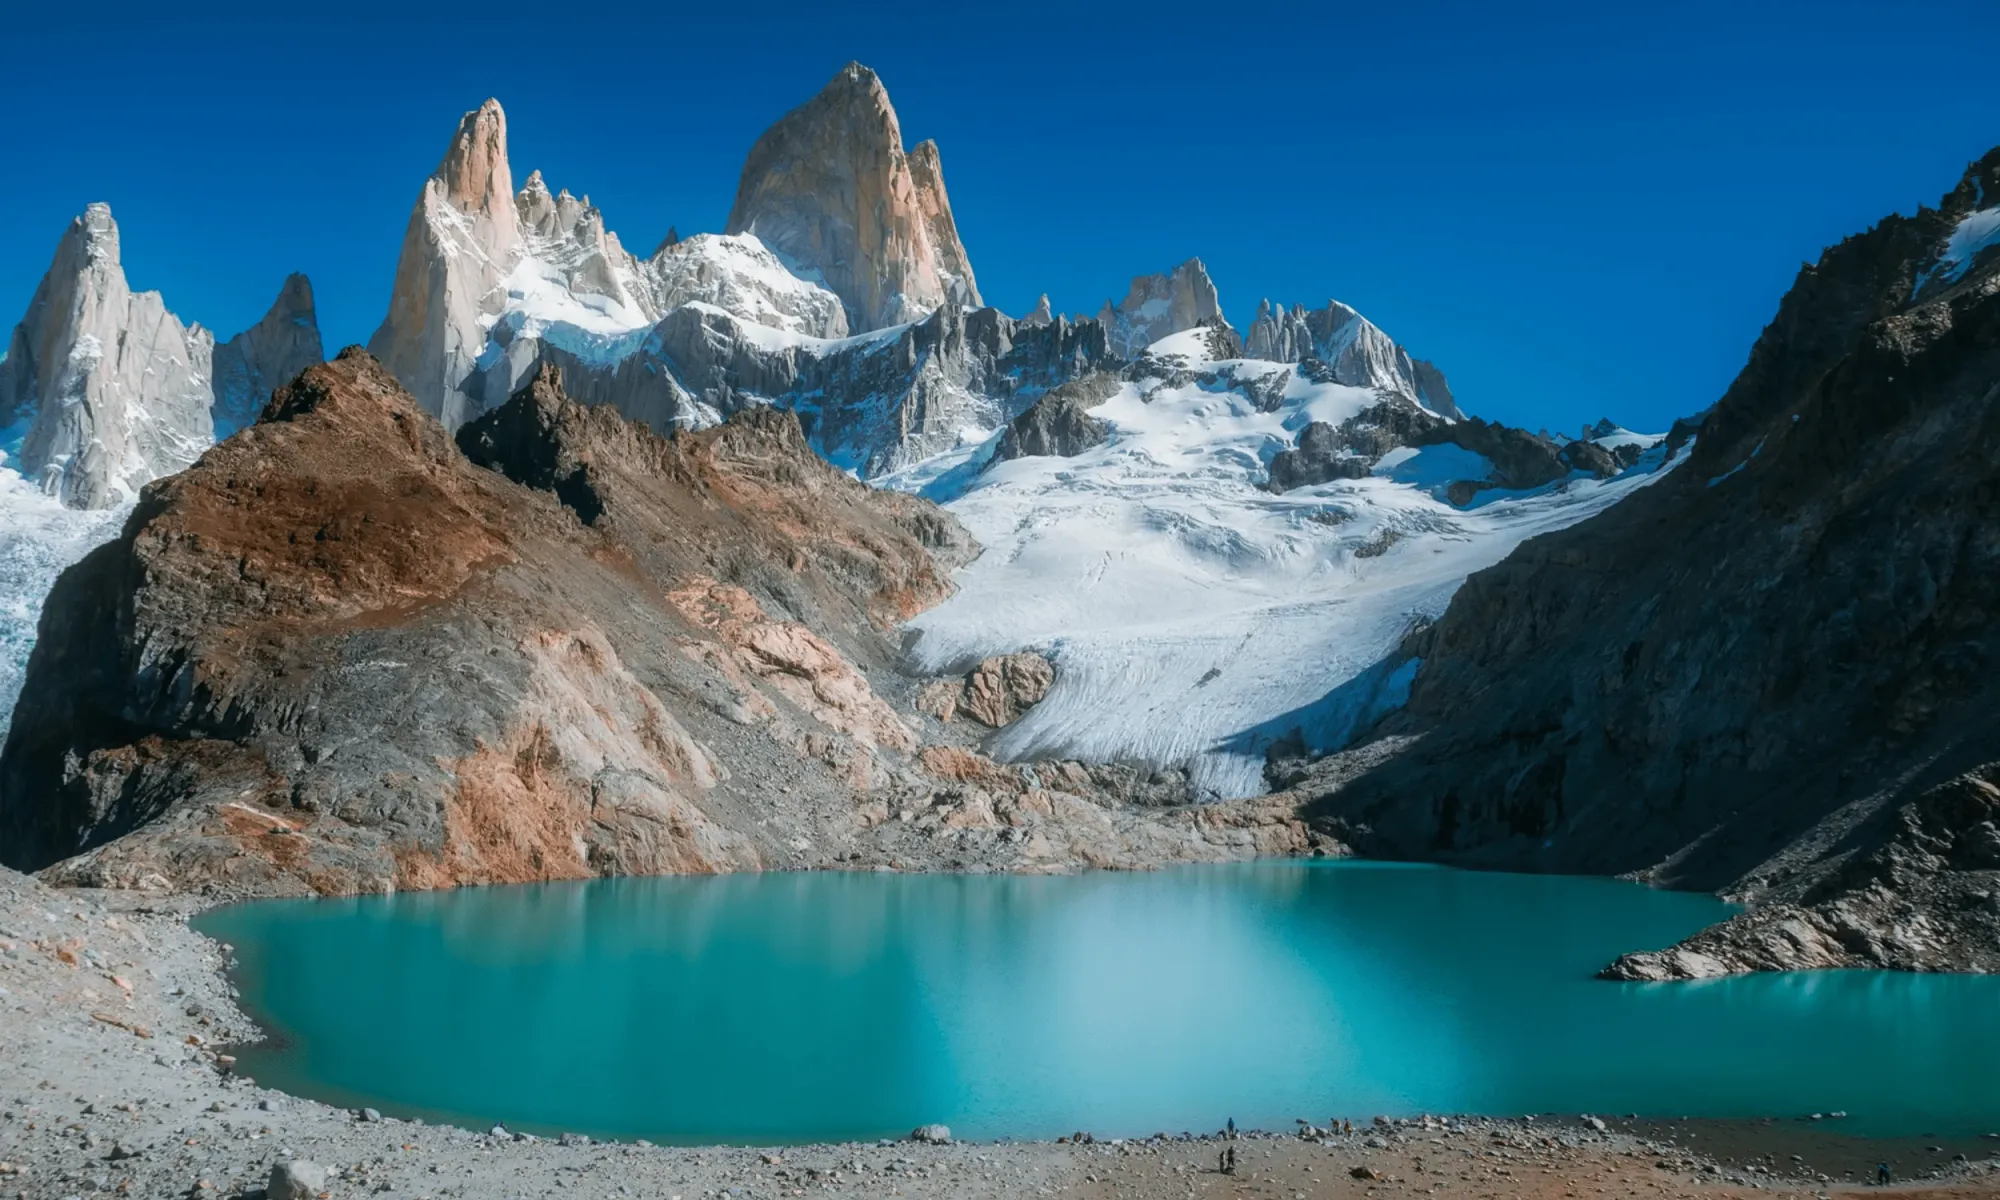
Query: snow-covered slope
1195, 618
39, 536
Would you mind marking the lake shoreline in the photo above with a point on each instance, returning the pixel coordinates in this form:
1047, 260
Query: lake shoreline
114, 1074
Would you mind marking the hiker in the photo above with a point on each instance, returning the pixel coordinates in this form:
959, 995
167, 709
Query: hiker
1347, 1127
1882, 1174
1232, 1160
1232, 1127
1222, 1161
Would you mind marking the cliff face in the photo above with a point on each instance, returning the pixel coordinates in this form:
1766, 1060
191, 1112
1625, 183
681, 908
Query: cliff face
830, 188
345, 652
1749, 676
461, 243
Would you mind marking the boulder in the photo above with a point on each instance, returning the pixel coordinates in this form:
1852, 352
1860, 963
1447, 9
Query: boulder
295, 1179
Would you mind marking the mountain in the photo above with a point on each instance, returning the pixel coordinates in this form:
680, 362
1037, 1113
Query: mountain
827, 295
830, 189
1158, 306
1353, 348
254, 363
107, 388
1771, 674
103, 390
347, 651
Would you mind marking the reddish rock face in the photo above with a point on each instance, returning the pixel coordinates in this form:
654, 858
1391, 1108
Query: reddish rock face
831, 188
342, 654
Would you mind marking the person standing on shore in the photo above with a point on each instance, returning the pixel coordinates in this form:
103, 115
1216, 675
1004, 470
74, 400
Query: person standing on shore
1882, 1174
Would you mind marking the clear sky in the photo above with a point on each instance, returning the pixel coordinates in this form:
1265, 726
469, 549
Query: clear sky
1574, 209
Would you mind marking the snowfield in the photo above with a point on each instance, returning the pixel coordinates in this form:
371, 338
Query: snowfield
1193, 617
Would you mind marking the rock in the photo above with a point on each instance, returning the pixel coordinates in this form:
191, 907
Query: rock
940, 698
1368, 1173
1595, 1123
369, 1114
1159, 306
831, 188
1003, 687
1320, 457
934, 1135
499, 1131
1059, 424
295, 1179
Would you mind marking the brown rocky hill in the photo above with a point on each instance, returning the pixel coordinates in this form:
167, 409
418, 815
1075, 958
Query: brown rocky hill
1773, 673
346, 652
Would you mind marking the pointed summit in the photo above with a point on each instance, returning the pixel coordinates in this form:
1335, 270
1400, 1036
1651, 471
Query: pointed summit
474, 172
463, 238
266, 356
1040, 314
113, 388
830, 188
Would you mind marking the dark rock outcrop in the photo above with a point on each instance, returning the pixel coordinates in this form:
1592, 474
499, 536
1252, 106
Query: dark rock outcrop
1321, 456
1743, 677
1520, 460
1059, 424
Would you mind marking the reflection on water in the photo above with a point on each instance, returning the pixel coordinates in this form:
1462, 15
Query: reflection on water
806, 1007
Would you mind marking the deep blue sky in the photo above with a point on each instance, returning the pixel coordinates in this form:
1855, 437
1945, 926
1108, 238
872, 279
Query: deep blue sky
1575, 209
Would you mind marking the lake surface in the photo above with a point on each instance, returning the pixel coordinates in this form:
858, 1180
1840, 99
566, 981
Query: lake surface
823, 1006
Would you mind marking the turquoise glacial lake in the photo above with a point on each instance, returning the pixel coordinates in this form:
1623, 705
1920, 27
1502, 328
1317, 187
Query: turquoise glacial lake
822, 1006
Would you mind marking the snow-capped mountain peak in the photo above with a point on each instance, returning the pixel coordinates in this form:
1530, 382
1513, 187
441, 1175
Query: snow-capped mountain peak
1354, 348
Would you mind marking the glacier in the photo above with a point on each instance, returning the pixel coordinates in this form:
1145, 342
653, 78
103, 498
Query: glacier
1194, 618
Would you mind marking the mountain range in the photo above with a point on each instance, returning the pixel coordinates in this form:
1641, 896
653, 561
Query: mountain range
777, 547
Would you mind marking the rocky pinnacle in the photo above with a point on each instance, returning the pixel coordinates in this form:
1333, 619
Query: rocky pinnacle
830, 188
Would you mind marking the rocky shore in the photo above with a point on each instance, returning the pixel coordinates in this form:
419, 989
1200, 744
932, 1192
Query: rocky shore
116, 1079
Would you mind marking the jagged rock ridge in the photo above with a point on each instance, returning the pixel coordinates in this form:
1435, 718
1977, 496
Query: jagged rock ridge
1353, 349
1158, 306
